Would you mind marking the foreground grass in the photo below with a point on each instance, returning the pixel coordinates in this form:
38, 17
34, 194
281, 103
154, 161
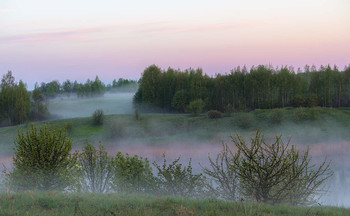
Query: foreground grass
50, 203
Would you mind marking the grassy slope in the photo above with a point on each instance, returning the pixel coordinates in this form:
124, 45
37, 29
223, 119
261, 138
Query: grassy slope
154, 129
30, 203
158, 128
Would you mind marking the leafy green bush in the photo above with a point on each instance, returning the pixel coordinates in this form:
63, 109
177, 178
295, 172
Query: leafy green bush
98, 117
196, 107
132, 174
214, 114
276, 116
42, 159
175, 180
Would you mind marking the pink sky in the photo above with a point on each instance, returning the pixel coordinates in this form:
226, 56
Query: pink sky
42, 41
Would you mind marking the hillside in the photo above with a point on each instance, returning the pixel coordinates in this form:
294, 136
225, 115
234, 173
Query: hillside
306, 126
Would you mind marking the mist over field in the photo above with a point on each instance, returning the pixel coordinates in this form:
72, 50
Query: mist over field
73, 106
197, 137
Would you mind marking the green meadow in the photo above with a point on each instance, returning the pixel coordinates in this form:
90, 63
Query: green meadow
305, 126
51, 203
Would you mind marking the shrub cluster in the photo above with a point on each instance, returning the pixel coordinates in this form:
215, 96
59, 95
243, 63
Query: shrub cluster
214, 114
276, 116
257, 170
97, 117
196, 107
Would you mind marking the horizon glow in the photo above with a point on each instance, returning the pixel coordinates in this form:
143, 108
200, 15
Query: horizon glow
44, 40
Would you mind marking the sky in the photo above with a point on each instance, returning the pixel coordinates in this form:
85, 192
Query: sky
44, 40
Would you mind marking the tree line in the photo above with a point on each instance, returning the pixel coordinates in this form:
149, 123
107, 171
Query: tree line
257, 170
18, 105
261, 87
90, 88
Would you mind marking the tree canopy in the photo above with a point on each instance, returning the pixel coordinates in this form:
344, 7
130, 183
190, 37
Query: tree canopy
261, 87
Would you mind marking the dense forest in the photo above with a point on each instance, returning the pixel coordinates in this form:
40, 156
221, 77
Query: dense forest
262, 87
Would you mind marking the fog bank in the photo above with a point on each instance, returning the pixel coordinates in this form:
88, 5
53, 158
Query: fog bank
72, 106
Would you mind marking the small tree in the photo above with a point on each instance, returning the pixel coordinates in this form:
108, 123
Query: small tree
196, 107
42, 159
276, 173
175, 180
96, 169
98, 117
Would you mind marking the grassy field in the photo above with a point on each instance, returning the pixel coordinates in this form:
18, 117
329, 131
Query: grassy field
184, 134
51, 203
316, 125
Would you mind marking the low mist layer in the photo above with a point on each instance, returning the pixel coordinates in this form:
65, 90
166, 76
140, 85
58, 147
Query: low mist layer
72, 106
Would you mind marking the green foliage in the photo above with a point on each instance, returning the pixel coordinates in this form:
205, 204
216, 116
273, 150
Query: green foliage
96, 169
132, 174
300, 114
22, 104
276, 173
88, 89
196, 107
50, 89
42, 159
149, 84
180, 100
15, 102
214, 114
39, 108
177, 180
122, 85
276, 116
260, 87
98, 117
